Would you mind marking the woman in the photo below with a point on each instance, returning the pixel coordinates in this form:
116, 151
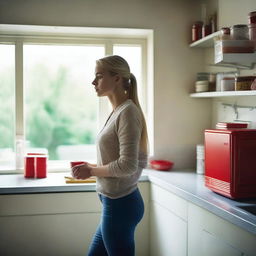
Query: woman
121, 155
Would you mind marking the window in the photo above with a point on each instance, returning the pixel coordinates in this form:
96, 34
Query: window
60, 105
7, 106
55, 109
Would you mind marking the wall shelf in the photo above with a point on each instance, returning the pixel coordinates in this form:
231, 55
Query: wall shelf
205, 42
223, 94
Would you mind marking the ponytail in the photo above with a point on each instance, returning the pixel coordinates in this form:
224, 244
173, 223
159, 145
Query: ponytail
133, 95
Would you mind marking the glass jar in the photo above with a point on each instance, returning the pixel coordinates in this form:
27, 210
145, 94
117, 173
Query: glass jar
197, 31
252, 18
243, 82
239, 32
252, 34
225, 33
206, 30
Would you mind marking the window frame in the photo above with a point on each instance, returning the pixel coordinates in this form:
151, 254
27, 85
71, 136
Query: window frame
18, 35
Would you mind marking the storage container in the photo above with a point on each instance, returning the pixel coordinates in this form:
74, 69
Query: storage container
227, 84
252, 18
243, 82
197, 31
225, 33
35, 165
239, 32
252, 34
206, 30
200, 159
202, 86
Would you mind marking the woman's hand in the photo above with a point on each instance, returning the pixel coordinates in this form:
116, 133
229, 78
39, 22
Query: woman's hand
81, 171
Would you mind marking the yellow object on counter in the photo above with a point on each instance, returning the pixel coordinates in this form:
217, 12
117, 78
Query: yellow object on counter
73, 180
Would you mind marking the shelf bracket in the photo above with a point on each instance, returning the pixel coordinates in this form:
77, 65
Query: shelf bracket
236, 107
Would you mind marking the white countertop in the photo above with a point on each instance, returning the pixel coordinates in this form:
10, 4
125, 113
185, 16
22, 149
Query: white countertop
186, 184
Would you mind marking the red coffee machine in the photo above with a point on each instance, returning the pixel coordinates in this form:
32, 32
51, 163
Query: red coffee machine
230, 160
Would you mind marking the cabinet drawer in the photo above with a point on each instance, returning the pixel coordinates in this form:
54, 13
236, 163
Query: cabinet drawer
51, 203
173, 203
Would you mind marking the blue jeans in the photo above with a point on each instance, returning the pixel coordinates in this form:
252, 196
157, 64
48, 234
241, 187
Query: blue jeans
115, 233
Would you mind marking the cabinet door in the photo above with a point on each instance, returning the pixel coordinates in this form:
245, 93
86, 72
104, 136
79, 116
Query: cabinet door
211, 235
47, 234
168, 232
168, 223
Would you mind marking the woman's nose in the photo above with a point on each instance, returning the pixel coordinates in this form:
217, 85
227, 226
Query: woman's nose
94, 82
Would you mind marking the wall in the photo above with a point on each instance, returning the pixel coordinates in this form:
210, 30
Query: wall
178, 125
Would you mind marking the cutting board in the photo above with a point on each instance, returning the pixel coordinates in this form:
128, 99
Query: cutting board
73, 180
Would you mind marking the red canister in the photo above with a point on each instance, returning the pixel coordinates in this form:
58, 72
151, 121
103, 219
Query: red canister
206, 30
197, 31
252, 34
40, 166
35, 166
29, 166
252, 18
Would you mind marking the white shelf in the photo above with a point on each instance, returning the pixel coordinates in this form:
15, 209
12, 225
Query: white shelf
223, 94
205, 42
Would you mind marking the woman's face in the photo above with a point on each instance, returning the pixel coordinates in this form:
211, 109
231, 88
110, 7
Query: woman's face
104, 83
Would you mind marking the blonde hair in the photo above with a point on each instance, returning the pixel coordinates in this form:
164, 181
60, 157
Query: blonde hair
115, 64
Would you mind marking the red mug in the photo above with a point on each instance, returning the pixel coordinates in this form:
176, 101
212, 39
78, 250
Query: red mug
74, 163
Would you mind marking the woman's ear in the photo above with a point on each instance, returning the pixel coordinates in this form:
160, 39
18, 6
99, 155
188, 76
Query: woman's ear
118, 78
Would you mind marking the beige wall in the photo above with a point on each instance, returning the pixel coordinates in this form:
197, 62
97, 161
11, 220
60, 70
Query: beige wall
178, 119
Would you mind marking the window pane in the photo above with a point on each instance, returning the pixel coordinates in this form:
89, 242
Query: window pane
61, 105
7, 106
133, 55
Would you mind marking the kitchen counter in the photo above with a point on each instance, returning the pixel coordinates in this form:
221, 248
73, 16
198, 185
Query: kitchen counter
186, 184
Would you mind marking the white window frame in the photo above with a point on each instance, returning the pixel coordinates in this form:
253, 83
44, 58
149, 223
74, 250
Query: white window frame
19, 35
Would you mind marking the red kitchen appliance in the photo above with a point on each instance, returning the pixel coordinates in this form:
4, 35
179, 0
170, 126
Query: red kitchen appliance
230, 161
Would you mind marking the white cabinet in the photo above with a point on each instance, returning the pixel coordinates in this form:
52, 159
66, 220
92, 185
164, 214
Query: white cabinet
211, 235
168, 223
179, 228
56, 224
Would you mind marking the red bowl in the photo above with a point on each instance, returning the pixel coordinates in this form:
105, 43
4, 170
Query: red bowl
161, 165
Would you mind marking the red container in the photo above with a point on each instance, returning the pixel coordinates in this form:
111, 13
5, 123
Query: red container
206, 30
40, 170
252, 34
197, 31
35, 166
29, 166
161, 165
252, 18
230, 162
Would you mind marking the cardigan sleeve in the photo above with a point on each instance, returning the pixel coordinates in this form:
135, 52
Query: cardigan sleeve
128, 128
